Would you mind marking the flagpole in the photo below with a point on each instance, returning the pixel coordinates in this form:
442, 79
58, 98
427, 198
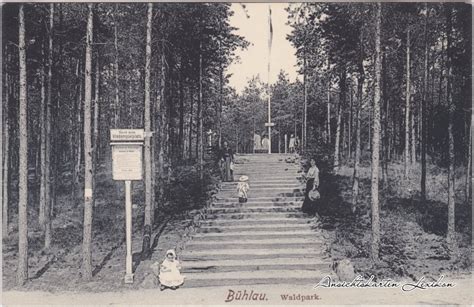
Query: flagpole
270, 34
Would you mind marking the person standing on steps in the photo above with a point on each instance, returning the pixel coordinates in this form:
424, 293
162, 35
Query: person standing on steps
291, 146
311, 192
243, 188
297, 144
257, 142
265, 143
227, 159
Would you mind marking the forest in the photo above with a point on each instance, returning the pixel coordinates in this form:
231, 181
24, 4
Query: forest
384, 104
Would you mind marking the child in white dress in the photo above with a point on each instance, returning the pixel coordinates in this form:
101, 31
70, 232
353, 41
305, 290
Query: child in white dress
242, 189
169, 275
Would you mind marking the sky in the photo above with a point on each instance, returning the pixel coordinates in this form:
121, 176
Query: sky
253, 60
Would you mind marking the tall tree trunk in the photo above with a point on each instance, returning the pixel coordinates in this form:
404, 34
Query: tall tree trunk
190, 135
116, 77
55, 163
349, 150
451, 237
423, 111
96, 118
130, 105
468, 185
6, 153
413, 135
88, 188
328, 122
360, 84
74, 138
295, 116
47, 215
147, 117
200, 107
407, 109
221, 101
77, 145
343, 136
340, 105
2, 141
161, 108
22, 270
376, 140
384, 125
42, 204
170, 130
369, 144
355, 177
305, 102
181, 117
237, 138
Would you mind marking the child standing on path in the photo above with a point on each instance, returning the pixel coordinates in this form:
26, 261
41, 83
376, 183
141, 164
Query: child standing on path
242, 188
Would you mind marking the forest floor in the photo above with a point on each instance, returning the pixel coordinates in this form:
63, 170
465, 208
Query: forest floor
58, 269
413, 233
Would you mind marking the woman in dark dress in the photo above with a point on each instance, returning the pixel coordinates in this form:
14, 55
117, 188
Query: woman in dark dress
227, 157
312, 183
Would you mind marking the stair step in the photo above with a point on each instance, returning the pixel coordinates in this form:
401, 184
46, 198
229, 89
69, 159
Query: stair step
251, 233
273, 274
254, 209
258, 261
199, 283
266, 171
302, 240
261, 187
253, 267
262, 215
253, 251
265, 181
265, 177
260, 175
260, 194
250, 228
267, 198
255, 227
198, 247
256, 236
261, 222
184, 257
236, 204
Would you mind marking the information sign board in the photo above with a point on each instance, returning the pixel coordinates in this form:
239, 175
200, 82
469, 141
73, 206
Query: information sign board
129, 135
127, 162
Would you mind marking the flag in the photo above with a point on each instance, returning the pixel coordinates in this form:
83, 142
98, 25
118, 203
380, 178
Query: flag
270, 38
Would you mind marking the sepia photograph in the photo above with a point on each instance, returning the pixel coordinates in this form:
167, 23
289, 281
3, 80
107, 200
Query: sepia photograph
231, 153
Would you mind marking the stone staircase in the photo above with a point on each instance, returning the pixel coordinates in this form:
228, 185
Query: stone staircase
267, 240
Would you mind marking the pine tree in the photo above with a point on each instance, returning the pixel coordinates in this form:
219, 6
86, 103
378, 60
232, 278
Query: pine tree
22, 270
376, 139
407, 107
147, 117
88, 188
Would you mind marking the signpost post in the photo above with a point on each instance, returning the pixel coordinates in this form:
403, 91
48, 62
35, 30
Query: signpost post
127, 148
269, 125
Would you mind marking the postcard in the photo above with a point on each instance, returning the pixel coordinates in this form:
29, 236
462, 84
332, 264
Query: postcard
230, 153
